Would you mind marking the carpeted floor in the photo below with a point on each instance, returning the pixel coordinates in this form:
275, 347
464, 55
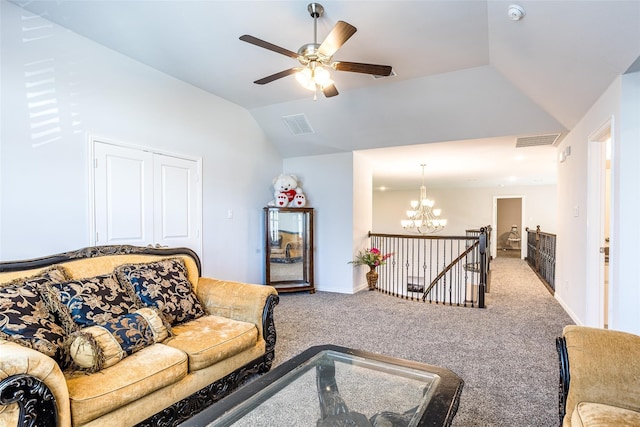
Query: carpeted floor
505, 353
508, 253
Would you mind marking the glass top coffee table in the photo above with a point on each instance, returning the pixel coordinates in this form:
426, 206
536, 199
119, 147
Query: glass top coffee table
336, 386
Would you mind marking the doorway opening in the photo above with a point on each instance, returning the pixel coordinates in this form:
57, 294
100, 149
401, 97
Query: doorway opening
607, 231
598, 240
508, 231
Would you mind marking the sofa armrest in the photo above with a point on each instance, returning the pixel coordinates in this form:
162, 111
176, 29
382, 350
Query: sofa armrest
237, 300
603, 366
29, 383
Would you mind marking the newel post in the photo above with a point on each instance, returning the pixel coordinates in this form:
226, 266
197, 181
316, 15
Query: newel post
483, 266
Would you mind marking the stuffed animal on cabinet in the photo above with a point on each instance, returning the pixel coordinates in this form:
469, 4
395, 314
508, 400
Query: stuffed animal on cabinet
287, 192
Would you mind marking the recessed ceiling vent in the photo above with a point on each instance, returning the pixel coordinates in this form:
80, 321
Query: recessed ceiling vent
533, 141
298, 124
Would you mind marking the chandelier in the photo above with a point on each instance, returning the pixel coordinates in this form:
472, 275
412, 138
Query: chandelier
423, 219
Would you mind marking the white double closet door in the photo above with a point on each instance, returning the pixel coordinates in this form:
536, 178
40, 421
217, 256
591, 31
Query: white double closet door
145, 198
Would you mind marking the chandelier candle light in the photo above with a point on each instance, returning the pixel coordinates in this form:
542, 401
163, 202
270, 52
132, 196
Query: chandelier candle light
423, 219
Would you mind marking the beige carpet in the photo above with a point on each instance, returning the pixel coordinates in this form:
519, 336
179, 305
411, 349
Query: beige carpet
508, 253
505, 353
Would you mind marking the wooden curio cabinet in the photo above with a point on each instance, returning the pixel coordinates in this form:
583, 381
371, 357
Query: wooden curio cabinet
289, 249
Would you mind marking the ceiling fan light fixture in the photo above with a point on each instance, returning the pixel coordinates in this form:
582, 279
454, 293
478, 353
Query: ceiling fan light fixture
322, 77
305, 78
316, 58
312, 76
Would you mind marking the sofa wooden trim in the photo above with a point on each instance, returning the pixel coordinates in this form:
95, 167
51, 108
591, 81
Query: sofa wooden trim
93, 252
36, 402
565, 378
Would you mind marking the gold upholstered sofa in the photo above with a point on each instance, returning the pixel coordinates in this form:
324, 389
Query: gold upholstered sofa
599, 377
125, 335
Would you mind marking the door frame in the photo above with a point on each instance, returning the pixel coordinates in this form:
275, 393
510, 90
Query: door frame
494, 225
596, 205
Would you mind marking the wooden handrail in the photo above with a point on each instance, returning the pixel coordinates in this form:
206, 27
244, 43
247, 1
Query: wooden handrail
537, 231
423, 236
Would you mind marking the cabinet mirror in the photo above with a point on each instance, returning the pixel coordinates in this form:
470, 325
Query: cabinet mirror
289, 248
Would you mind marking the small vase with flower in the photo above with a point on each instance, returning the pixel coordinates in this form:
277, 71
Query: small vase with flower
372, 258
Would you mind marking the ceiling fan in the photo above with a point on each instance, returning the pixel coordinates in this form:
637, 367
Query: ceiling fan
316, 59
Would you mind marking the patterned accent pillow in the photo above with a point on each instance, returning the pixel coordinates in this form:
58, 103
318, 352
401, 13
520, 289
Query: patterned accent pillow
26, 319
55, 273
90, 301
163, 284
100, 346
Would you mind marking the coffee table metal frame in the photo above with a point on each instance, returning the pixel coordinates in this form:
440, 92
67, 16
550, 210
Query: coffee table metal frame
438, 407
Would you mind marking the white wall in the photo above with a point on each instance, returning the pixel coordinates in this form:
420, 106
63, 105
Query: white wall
362, 216
327, 182
620, 103
572, 252
89, 89
625, 299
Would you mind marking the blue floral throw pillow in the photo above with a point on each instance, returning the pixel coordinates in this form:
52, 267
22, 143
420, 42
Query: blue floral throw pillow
100, 346
25, 318
163, 284
90, 301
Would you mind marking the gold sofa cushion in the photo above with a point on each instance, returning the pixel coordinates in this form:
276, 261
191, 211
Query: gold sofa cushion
93, 395
210, 339
588, 414
604, 368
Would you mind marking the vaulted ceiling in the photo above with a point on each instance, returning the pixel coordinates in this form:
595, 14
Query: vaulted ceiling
463, 69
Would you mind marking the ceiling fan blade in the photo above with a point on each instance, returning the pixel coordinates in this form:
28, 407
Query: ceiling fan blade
340, 33
275, 76
270, 46
330, 91
357, 67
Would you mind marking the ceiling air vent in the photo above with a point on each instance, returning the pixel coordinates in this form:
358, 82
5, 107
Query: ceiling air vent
298, 124
532, 141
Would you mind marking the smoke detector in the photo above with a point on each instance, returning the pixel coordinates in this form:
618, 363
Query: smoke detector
515, 12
